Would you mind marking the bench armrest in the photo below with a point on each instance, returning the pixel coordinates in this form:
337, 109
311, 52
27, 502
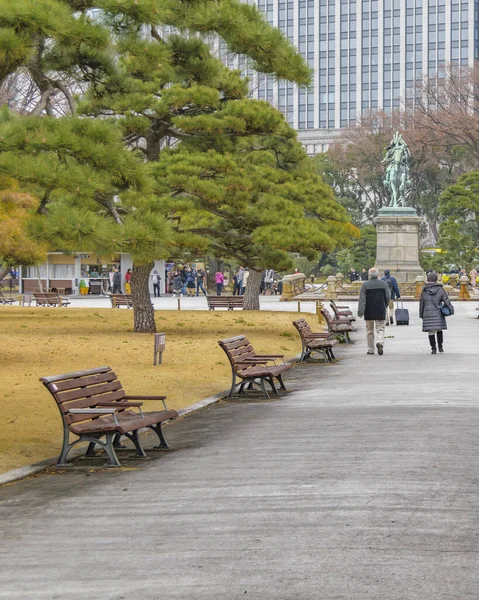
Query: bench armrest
340, 321
93, 411
142, 397
160, 398
120, 403
253, 361
317, 336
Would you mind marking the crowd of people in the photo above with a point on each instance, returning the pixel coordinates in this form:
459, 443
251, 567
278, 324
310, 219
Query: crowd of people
189, 282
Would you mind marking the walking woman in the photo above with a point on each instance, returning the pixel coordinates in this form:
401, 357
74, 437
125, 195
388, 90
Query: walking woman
177, 285
219, 280
128, 282
434, 301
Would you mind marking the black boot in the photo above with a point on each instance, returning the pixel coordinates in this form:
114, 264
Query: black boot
441, 349
391, 320
433, 351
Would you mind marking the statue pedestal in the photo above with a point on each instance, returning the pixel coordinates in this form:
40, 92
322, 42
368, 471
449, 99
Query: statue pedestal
398, 243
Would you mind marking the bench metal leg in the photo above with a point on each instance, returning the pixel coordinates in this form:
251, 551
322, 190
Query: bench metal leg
134, 437
281, 384
94, 440
270, 380
233, 385
91, 447
263, 387
110, 450
159, 432
117, 442
62, 459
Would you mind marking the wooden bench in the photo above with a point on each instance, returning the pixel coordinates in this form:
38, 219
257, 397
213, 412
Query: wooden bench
4, 300
118, 300
252, 368
94, 405
229, 302
342, 314
314, 342
341, 311
341, 327
49, 299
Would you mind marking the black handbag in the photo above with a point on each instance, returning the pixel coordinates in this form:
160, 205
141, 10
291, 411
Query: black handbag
445, 310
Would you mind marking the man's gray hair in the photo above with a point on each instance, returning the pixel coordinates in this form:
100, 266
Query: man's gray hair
373, 273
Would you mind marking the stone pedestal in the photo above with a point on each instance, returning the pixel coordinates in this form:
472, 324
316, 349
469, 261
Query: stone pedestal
398, 243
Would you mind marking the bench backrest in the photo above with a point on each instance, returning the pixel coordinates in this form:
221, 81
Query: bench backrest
335, 310
50, 296
121, 299
218, 300
238, 349
236, 300
326, 315
303, 328
225, 301
83, 389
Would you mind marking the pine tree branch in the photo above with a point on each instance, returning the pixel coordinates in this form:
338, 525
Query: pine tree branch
66, 92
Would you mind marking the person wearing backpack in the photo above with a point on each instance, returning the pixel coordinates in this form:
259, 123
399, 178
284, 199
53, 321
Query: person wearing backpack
394, 292
155, 279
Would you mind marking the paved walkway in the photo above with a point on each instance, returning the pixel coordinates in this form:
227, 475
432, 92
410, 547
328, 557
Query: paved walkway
362, 484
170, 303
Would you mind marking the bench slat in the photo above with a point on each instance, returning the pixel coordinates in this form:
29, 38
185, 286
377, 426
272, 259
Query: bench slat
88, 392
74, 374
91, 402
235, 344
71, 384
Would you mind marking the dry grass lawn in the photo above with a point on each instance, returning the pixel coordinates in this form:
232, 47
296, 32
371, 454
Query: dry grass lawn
36, 342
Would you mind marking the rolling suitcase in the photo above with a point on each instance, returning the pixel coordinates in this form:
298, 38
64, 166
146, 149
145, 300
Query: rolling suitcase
402, 315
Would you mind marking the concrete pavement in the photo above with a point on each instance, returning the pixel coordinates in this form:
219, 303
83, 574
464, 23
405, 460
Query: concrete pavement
361, 484
170, 303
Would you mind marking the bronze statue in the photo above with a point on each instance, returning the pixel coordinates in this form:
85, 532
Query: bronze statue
397, 179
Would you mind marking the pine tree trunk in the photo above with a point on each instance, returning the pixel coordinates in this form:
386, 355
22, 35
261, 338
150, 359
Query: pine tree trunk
143, 313
251, 294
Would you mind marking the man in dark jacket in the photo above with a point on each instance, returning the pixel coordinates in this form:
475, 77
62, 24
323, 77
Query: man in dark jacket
373, 301
395, 294
353, 275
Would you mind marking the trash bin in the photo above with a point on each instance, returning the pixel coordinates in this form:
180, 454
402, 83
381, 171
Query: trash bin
95, 286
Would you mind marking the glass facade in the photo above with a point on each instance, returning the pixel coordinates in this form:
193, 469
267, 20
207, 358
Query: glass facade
366, 54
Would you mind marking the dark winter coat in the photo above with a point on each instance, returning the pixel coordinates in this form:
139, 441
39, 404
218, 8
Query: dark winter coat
177, 282
374, 299
353, 276
433, 295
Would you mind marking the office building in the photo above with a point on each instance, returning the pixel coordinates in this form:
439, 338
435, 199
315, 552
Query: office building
366, 54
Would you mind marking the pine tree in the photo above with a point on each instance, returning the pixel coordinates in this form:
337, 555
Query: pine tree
149, 70
459, 232
257, 201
